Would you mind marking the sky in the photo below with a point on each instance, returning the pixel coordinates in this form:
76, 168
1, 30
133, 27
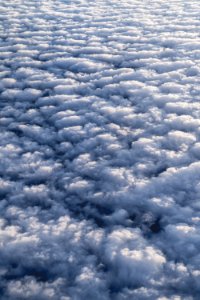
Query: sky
99, 150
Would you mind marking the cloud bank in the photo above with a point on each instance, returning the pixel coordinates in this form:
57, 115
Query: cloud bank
99, 150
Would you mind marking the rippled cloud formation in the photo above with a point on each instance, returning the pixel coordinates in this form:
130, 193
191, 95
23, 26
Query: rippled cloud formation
99, 150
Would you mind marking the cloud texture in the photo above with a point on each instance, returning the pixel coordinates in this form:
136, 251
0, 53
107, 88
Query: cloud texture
99, 150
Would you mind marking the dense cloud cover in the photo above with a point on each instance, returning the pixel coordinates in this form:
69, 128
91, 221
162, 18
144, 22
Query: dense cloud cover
99, 150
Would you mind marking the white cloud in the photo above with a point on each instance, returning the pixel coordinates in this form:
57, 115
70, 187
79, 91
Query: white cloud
99, 150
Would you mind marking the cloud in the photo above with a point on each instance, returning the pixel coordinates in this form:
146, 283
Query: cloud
99, 150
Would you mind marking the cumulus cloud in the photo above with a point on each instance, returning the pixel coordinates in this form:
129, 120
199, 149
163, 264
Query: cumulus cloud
99, 150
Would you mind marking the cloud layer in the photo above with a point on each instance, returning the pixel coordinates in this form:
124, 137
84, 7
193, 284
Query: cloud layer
99, 150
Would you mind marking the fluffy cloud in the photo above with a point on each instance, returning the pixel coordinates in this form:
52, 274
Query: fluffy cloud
99, 150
